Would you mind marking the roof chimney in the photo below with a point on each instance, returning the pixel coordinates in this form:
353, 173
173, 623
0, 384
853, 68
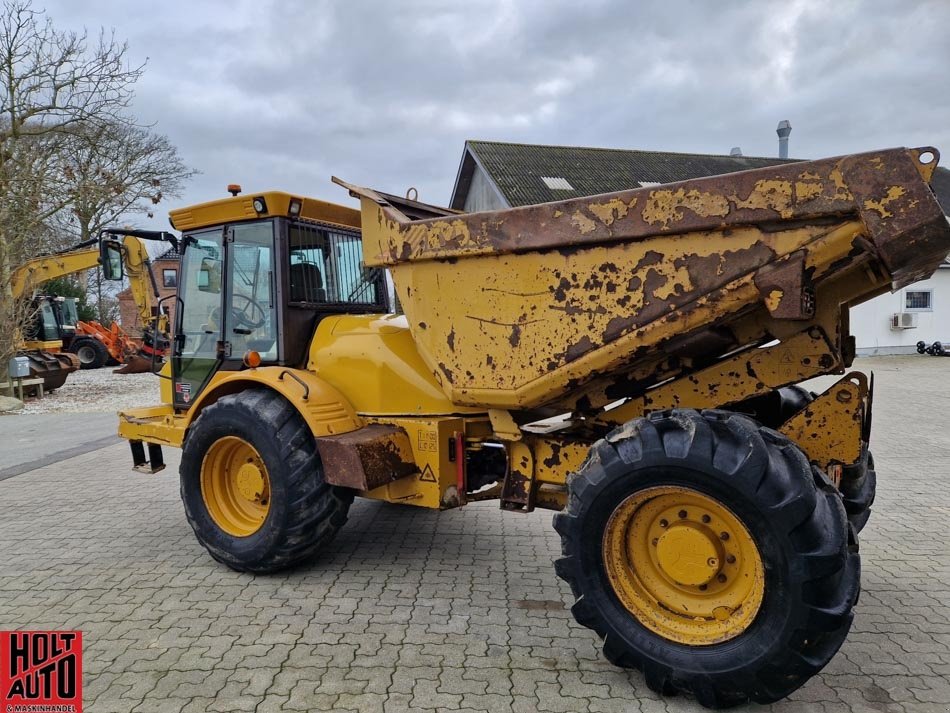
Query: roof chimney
783, 130
735, 151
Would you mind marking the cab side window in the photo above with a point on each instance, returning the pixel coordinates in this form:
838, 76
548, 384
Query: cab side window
326, 267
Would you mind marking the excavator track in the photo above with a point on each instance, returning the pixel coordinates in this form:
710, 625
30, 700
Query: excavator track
52, 367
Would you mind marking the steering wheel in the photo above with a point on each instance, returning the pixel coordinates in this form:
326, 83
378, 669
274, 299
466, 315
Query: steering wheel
251, 315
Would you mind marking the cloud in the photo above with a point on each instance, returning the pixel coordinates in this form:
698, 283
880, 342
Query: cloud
284, 94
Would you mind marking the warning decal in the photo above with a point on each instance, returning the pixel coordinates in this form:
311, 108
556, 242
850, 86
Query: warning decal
427, 475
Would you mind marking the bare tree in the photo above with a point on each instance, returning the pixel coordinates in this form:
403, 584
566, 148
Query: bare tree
112, 171
52, 85
115, 170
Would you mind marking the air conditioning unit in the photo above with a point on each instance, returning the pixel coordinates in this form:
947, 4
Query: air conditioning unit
903, 320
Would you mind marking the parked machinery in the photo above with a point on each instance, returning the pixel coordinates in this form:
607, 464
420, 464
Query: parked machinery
628, 360
57, 342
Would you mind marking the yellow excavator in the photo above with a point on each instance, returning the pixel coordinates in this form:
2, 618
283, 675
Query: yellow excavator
57, 343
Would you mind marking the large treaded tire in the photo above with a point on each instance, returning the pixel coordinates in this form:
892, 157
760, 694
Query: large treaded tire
792, 511
305, 512
91, 352
858, 496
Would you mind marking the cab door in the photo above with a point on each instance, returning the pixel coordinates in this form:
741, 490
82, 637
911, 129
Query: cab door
196, 352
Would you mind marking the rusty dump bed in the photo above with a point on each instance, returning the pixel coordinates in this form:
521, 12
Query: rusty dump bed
562, 304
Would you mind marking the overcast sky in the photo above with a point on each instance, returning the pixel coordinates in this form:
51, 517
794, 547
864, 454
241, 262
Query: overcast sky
285, 94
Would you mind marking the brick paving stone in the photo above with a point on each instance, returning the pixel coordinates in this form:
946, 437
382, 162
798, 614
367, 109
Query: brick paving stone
410, 610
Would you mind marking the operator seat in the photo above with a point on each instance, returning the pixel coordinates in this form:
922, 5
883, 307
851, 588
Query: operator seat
306, 283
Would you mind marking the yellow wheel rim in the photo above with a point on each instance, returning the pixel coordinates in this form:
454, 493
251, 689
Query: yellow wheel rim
683, 565
235, 486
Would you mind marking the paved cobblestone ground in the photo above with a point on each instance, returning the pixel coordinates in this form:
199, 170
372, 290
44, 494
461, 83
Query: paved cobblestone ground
414, 610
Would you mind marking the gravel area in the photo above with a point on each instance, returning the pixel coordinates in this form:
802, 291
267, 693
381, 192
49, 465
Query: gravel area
97, 390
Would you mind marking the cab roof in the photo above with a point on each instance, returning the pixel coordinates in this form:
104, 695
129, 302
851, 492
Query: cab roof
275, 204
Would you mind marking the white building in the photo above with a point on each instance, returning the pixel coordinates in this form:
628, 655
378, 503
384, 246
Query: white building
895, 322
494, 175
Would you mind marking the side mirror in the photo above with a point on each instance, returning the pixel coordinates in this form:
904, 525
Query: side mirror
110, 257
209, 275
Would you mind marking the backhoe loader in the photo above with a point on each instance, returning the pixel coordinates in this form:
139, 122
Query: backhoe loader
629, 360
57, 342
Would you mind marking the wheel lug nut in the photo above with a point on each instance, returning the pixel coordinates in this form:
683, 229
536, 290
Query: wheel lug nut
682, 514
723, 536
731, 559
721, 578
702, 587
663, 523
655, 541
706, 518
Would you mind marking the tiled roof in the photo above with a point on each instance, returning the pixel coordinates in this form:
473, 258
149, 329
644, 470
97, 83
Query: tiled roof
172, 253
523, 172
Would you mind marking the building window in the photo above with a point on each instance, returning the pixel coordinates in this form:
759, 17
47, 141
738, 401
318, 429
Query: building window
918, 300
170, 278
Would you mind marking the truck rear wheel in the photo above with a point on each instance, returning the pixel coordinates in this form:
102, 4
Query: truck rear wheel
91, 352
707, 552
252, 484
858, 495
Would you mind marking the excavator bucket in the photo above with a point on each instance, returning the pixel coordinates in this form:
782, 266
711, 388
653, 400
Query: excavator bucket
138, 359
138, 364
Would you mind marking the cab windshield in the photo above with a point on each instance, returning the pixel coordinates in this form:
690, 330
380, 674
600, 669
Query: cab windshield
70, 312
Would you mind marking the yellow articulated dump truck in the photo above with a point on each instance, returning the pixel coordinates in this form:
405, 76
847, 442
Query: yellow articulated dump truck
629, 360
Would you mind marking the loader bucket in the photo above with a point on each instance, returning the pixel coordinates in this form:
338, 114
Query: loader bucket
525, 307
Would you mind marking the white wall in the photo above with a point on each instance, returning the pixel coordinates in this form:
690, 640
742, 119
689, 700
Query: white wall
482, 194
871, 321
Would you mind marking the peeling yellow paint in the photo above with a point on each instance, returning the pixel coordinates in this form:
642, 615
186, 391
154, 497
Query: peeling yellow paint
841, 187
558, 213
583, 223
612, 210
773, 299
893, 193
597, 294
806, 191
665, 206
439, 233
768, 195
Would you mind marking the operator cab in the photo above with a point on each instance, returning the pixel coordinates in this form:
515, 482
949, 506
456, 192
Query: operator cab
54, 318
257, 274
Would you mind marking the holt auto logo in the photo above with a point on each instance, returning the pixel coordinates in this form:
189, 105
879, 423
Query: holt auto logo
40, 672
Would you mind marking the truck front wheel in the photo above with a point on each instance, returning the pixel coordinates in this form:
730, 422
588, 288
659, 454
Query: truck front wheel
252, 484
707, 552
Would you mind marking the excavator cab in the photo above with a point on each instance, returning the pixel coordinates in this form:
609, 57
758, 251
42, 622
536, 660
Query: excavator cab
251, 293
45, 326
